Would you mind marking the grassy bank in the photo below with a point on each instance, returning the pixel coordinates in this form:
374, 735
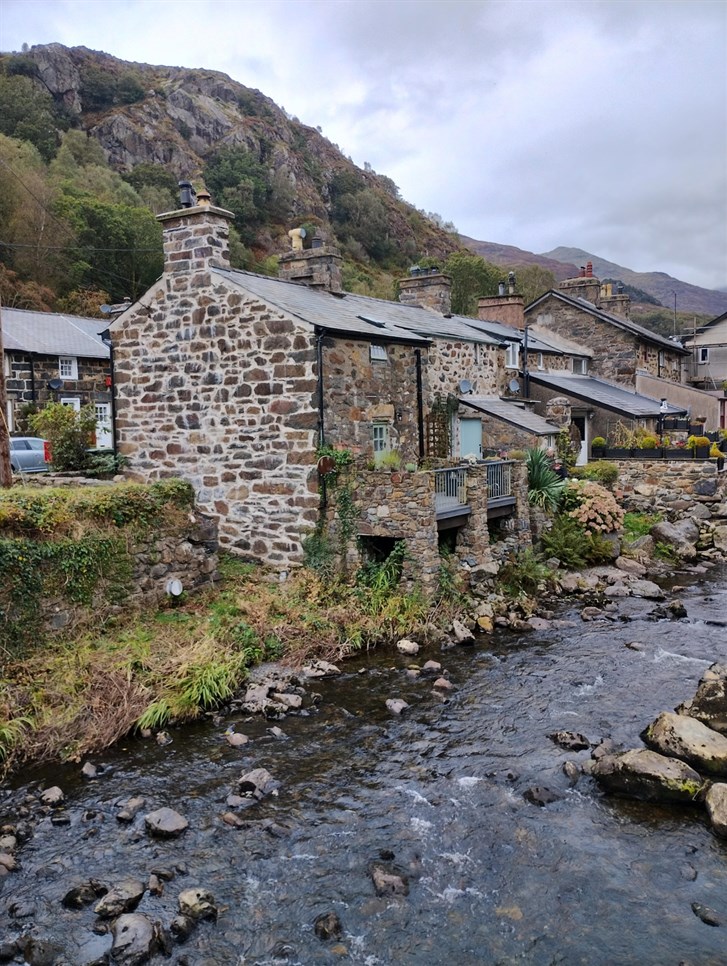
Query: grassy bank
66, 700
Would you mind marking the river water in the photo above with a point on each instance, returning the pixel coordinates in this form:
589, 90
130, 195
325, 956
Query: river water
436, 794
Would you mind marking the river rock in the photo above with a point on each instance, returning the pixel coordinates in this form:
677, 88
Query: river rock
720, 538
462, 633
235, 739
198, 904
89, 770
328, 926
129, 812
53, 796
289, 701
571, 740
405, 646
539, 623
7, 862
40, 952
320, 669
432, 668
709, 704
647, 589
165, 823
396, 705
134, 940
630, 566
443, 684
388, 882
83, 895
716, 802
181, 927
708, 916
680, 736
648, 776
572, 771
540, 795
681, 537
122, 897
258, 783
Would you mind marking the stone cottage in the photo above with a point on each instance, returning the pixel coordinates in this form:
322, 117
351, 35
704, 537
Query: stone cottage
51, 357
235, 380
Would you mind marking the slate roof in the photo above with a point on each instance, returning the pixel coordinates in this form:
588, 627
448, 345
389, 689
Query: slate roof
508, 333
619, 321
603, 394
510, 412
357, 315
53, 334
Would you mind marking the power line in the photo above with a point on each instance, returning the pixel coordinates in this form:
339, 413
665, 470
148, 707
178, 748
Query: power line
76, 248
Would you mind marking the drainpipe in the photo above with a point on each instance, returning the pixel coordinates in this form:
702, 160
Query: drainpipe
526, 371
321, 419
106, 339
31, 360
420, 402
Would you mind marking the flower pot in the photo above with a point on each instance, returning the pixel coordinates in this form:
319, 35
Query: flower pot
648, 454
598, 452
617, 453
701, 452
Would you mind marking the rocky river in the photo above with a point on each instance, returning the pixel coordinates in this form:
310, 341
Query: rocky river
386, 838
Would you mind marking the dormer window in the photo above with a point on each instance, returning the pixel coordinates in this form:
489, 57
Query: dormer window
580, 366
378, 353
68, 367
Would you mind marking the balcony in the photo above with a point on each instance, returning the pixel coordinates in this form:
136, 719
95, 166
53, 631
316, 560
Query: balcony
450, 493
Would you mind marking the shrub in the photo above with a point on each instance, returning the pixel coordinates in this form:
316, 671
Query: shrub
601, 471
566, 540
696, 442
637, 525
545, 488
648, 441
598, 442
524, 573
591, 505
69, 433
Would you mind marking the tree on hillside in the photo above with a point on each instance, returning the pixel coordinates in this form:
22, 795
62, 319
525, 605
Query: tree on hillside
532, 281
472, 277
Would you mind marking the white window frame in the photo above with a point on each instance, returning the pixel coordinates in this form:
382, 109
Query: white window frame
703, 354
378, 353
71, 401
6, 365
70, 365
579, 365
104, 433
540, 361
10, 414
512, 355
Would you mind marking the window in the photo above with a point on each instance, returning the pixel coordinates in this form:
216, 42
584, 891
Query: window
580, 366
378, 353
380, 435
68, 367
6, 365
512, 355
73, 403
10, 415
703, 354
540, 360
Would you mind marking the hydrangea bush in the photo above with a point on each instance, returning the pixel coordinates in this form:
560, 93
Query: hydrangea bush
593, 506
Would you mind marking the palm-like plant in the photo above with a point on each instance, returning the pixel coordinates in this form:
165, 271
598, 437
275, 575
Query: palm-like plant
545, 488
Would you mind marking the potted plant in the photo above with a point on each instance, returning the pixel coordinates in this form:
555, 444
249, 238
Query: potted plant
598, 447
699, 445
648, 447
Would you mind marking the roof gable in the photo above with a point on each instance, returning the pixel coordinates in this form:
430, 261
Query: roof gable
618, 321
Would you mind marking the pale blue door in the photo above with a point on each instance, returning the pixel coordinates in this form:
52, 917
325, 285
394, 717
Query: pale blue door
470, 438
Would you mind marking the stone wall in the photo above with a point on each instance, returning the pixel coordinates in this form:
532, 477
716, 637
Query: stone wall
670, 479
501, 436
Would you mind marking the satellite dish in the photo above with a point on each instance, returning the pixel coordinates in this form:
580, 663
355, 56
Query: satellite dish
55, 384
303, 232
105, 309
513, 385
465, 387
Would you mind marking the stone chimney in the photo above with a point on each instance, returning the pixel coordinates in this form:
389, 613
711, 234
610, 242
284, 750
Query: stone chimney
586, 286
505, 307
428, 288
196, 237
318, 266
617, 303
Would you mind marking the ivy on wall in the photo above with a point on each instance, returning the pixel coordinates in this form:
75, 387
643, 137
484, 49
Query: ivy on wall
73, 545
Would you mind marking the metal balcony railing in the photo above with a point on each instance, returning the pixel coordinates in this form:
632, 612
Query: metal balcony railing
450, 488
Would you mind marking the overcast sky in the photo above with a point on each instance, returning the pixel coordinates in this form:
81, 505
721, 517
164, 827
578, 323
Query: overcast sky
596, 124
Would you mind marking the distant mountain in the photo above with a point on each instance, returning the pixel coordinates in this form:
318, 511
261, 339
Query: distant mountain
690, 298
566, 262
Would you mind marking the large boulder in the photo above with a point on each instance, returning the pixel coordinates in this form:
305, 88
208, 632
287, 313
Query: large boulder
680, 736
682, 537
709, 704
165, 823
646, 775
716, 802
197, 904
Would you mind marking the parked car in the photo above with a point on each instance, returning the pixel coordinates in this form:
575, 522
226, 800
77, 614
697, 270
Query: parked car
29, 454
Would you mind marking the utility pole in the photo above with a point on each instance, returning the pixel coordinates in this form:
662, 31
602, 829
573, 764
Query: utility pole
6, 474
675, 314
